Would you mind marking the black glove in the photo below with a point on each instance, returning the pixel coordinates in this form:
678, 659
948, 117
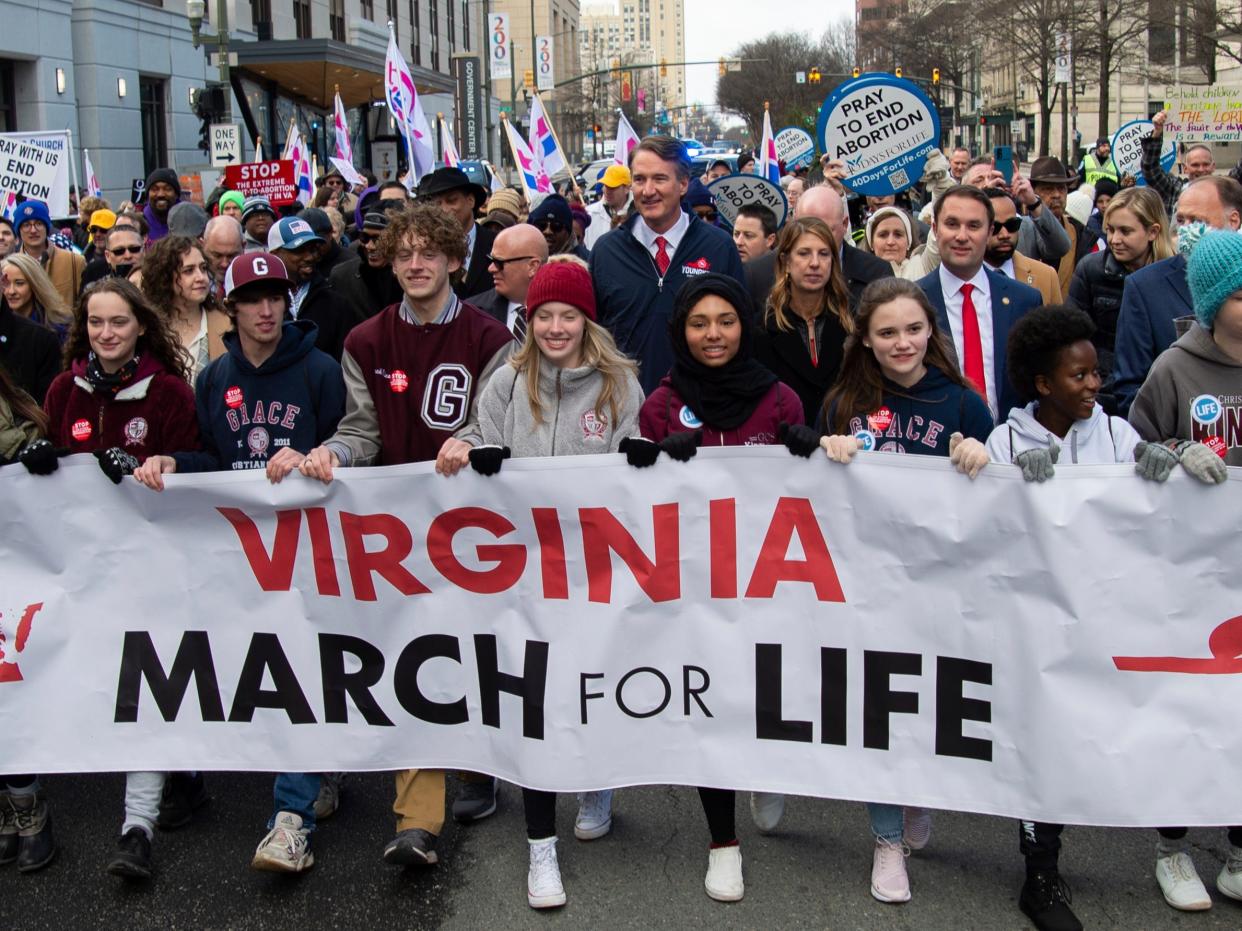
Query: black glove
798, 438
486, 460
682, 446
40, 457
116, 463
639, 451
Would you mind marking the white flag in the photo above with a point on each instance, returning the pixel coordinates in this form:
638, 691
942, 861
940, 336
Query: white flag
542, 139
626, 139
340, 127
92, 182
448, 147
402, 97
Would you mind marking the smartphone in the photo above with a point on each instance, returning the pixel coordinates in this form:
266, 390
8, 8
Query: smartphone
1003, 156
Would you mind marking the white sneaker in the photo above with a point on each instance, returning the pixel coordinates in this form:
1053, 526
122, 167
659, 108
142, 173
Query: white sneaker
594, 815
724, 874
916, 831
766, 810
1229, 879
1180, 883
286, 848
889, 881
543, 879
329, 797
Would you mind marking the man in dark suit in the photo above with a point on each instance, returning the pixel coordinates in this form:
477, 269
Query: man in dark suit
1154, 296
461, 198
975, 306
516, 255
860, 268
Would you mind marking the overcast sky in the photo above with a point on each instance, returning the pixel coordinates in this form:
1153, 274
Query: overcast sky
717, 27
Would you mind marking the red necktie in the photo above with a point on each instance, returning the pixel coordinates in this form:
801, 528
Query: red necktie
661, 258
972, 344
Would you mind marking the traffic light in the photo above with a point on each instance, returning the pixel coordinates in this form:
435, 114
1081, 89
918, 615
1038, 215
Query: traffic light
897, 71
208, 107
722, 67
663, 68
598, 129
983, 121
528, 78
857, 71
814, 76
935, 75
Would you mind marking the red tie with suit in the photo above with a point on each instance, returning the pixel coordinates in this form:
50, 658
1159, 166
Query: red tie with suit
972, 344
661, 257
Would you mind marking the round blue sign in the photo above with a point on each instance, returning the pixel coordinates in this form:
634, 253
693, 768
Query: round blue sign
1127, 146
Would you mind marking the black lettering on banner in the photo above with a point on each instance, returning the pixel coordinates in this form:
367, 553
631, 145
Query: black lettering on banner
267, 655
879, 700
769, 725
583, 694
530, 686
833, 684
689, 693
952, 708
668, 692
405, 680
139, 661
337, 683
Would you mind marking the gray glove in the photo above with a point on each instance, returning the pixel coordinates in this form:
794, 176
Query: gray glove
1037, 464
1202, 463
1154, 461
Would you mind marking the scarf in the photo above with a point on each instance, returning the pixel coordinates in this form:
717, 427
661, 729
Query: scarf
722, 396
109, 382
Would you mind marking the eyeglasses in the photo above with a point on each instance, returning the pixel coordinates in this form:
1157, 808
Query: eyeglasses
550, 223
366, 238
96, 230
121, 250
501, 263
1012, 225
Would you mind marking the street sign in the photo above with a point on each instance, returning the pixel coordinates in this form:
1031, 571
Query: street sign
225, 144
799, 77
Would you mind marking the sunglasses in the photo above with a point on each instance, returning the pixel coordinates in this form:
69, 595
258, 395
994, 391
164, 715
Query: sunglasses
548, 223
501, 263
1012, 225
122, 250
365, 238
96, 230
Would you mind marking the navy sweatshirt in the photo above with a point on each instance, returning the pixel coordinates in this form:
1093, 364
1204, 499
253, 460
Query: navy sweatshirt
920, 419
246, 415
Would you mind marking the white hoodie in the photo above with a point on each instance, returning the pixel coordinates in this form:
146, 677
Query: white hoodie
1098, 440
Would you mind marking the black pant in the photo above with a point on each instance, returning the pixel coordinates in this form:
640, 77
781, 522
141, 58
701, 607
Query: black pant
1040, 843
540, 813
718, 805
1235, 834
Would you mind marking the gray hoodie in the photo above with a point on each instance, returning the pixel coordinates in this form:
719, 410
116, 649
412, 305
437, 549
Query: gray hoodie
570, 425
1099, 439
1193, 392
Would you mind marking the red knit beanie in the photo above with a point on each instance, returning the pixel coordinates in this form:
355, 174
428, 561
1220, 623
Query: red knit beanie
561, 281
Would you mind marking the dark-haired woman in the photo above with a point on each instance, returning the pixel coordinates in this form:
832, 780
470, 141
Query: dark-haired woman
177, 279
718, 394
808, 313
124, 398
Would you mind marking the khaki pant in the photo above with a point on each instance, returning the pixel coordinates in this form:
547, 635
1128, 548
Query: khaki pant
420, 800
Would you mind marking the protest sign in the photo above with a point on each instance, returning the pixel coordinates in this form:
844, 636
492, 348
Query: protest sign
732, 192
882, 128
1128, 149
747, 620
795, 147
36, 166
1207, 113
273, 180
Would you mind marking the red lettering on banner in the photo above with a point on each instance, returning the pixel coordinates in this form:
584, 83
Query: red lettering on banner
273, 572
795, 515
551, 553
1224, 643
385, 562
321, 550
722, 523
603, 535
510, 558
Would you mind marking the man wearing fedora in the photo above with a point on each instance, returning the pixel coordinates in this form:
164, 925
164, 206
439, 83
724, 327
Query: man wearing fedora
461, 198
1051, 183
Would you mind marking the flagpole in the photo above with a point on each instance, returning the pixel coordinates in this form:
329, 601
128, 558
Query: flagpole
440, 134
568, 165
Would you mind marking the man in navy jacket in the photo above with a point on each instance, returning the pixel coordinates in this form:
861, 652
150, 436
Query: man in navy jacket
963, 221
639, 266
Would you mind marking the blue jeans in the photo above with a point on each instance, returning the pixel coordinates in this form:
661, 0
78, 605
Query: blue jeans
296, 792
887, 821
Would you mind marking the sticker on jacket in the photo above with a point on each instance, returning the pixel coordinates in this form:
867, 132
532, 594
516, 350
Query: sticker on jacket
1205, 409
593, 425
688, 418
81, 430
698, 267
135, 431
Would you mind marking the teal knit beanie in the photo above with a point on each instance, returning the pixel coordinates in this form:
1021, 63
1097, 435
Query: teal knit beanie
1214, 271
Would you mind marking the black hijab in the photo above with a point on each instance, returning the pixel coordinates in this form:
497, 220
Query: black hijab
725, 396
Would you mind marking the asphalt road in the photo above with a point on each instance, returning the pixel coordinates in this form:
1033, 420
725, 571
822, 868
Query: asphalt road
647, 874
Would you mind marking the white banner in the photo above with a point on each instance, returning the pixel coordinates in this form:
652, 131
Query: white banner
36, 165
885, 631
500, 46
545, 64
1064, 66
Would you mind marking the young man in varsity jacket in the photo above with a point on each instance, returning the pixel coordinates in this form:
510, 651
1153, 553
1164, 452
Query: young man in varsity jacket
413, 376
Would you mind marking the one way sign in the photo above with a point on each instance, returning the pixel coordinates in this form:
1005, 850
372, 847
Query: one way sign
225, 144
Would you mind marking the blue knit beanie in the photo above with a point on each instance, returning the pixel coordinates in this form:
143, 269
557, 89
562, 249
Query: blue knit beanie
32, 211
1214, 271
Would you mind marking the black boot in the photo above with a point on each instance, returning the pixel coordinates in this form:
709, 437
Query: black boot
8, 831
1045, 900
133, 856
183, 794
35, 845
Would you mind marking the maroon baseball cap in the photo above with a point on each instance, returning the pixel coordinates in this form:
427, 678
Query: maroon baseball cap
253, 267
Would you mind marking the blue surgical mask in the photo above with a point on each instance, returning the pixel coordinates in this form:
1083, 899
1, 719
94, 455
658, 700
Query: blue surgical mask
1188, 236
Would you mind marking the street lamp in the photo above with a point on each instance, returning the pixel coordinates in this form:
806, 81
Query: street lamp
194, 11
